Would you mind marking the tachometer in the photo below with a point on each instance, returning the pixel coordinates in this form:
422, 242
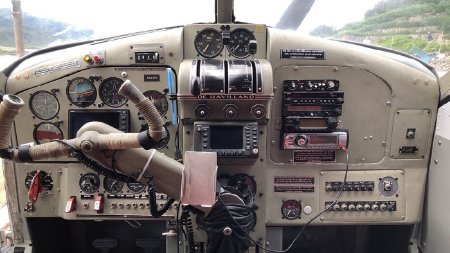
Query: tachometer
208, 43
112, 185
46, 132
159, 100
239, 42
81, 92
44, 105
89, 183
109, 92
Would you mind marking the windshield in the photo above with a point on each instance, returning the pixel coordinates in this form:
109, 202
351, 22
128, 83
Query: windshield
417, 27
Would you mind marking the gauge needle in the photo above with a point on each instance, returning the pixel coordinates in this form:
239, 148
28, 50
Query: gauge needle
206, 48
236, 47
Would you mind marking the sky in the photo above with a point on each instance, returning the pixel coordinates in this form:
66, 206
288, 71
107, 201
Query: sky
108, 17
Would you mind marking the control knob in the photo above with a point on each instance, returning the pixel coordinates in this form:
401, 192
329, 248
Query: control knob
328, 187
344, 207
351, 207
331, 84
258, 111
301, 140
367, 207
202, 111
383, 207
375, 207
231, 111
359, 207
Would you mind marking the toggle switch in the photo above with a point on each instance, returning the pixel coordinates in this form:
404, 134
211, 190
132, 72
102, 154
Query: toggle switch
71, 204
99, 203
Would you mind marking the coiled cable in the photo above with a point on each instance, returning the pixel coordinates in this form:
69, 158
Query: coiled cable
187, 223
153, 206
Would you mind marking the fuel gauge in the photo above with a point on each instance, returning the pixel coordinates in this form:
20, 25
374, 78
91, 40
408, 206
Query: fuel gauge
291, 209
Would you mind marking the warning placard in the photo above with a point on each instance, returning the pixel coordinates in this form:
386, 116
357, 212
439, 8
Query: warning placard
314, 155
302, 54
293, 188
293, 180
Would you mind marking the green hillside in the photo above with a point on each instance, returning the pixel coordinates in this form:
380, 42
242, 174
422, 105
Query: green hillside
405, 25
37, 32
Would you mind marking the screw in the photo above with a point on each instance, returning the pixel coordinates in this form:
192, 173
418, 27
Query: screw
59, 172
435, 161
440, 142
267, 243
388, 103
322, 218
403, 217
322, 173
335, 69
383, 143
296, 68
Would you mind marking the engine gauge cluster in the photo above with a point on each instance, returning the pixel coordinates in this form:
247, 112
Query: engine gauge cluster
239, 45
209, 42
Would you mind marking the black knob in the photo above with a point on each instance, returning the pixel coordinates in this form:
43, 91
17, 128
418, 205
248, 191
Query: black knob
301, 140
202, 111
332, 123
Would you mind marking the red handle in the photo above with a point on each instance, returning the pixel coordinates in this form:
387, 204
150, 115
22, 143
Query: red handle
35, 186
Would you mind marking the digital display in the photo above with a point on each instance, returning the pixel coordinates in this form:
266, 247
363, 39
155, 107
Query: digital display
304, 108
313, 123
316, 139
226, 137
78, 118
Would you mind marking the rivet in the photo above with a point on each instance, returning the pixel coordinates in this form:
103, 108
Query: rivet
335, 69
26, 76
296, 68
124, 74
322, 173
383, 143
17, 77
440, 142
371, 137
365, 138
435, 161
322, 219
403, 217
388, 103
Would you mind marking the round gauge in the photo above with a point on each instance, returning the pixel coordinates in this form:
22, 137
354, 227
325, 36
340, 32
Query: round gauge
112, 185
109, 92
136, 187
46, 181
208, 43
81, 92
46, 132
291, 209
89, 183
159, 100
240, 42
44, 105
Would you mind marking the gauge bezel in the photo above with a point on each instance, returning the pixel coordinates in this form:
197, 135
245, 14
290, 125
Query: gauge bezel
33, 96
82, 104
229, 45
285, 216
234, 179
198, 36
143, 188
97, 183
42, 123
44, 187
102, 85
107, 189
166, 101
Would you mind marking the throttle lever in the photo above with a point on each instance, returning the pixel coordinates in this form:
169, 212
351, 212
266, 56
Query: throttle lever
35, 186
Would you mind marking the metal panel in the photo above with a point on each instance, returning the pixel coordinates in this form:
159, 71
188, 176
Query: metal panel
409, 120
435, 227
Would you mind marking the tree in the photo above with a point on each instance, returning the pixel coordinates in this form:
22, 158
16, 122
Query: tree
323, 31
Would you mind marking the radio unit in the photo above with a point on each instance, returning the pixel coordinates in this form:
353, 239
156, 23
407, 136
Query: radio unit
292, 124
315, 140
237, 139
